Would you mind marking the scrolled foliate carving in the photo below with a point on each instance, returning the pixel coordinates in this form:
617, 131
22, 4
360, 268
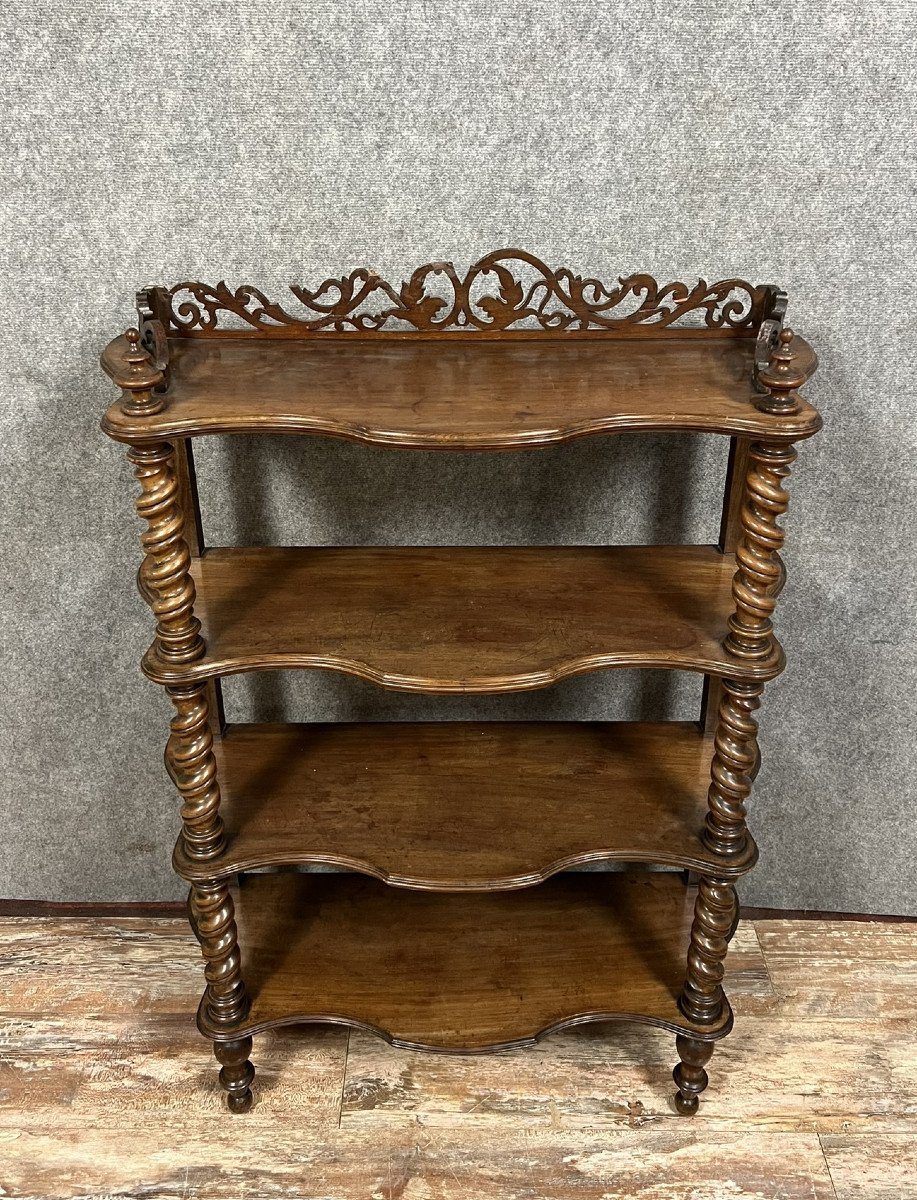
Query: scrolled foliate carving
152, 330
506, 288
771, 327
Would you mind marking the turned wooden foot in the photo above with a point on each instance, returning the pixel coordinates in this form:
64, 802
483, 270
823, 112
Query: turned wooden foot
236, 1073
689, 1074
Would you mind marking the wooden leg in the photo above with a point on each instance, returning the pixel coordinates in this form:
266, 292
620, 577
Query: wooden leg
165, 581
689, 1073
702, 999
236, 1073
213, 921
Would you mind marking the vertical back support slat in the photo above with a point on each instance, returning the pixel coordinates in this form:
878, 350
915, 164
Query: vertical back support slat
730, 531
194, 536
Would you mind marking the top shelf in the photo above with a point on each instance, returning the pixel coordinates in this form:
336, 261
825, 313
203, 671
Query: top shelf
510, 355
461, 392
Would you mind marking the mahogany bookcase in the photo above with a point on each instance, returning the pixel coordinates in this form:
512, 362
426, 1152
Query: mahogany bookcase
453, 923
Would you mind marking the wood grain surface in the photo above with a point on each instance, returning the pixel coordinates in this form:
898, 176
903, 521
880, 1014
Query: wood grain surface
878, 1167
405, 1164
829, 969
449, 806
464, 392
107, 1090
463, 619
466, 972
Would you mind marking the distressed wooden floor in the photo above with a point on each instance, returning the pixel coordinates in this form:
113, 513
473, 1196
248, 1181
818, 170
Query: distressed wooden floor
106, 1089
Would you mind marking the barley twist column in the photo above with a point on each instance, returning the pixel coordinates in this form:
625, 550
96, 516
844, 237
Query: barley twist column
759, 577
213, 920
702, 999
750, 641
735, 758
756, 585
166, 583
191, 764
164, 576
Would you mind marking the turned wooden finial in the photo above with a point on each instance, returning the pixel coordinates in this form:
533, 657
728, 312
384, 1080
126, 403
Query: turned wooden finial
135, 356
141, 378
781, 378
129, 364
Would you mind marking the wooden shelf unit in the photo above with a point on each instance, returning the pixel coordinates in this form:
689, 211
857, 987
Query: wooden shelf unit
452, 921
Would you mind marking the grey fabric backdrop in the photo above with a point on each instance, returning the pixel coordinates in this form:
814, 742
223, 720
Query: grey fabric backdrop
269, 143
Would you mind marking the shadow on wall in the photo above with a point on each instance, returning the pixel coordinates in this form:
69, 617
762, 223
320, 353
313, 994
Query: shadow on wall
627, 489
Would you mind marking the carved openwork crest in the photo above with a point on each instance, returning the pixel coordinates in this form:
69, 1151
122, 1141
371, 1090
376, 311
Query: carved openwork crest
508, 288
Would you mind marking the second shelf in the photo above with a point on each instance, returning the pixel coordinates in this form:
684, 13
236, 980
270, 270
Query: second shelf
448, 806
464, 619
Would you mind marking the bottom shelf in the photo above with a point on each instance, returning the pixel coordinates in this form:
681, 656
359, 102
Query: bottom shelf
464, 972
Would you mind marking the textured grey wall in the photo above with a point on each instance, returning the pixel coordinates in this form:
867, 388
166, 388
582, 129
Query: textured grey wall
267, 143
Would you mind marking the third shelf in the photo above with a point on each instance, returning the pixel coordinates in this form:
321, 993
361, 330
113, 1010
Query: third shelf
455, 806
463, 974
